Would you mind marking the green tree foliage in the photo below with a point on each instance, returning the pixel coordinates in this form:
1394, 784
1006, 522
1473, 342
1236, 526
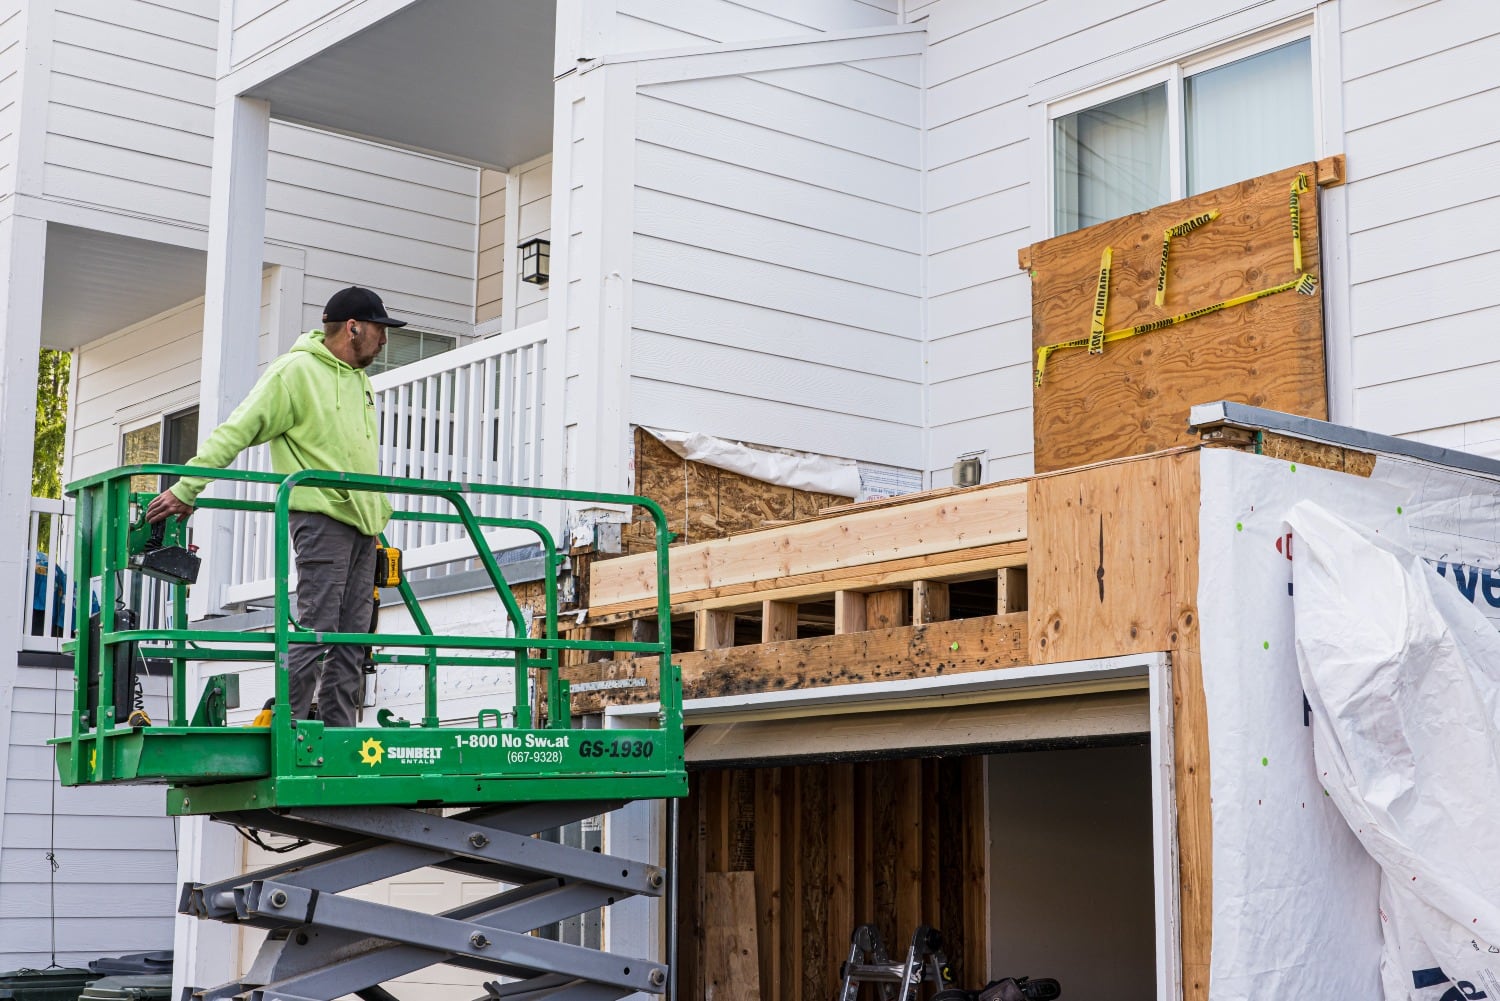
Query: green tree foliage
51, 423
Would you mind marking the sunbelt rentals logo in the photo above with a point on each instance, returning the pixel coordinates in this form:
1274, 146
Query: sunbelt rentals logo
371, 752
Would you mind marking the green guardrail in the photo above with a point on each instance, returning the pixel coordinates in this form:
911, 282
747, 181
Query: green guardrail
210, 766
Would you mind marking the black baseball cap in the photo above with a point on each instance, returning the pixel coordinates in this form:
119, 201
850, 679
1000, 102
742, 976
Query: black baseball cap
355, 303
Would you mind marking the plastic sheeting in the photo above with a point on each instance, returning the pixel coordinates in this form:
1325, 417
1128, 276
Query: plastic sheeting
1402, 676
799, 470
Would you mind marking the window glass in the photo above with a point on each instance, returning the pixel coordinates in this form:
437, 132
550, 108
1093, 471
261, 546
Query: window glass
1249, 117
141, 446
404, 346
181, 442
1111, 160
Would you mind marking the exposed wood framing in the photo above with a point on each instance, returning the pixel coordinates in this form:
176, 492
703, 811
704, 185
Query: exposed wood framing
929, 601
866, 548
834, 846
953, 647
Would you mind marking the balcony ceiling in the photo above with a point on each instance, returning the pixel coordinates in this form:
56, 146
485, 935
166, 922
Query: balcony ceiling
466, 79
97, 283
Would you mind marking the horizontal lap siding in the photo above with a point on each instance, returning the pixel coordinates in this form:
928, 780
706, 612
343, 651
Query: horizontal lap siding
1422, 119
143, 370
112, 844
777, 293
260, 25
535, 211
489, 284
12, 24
399, 222
642, 25
130, 120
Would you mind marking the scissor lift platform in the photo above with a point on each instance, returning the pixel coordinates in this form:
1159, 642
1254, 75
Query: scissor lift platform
370, 791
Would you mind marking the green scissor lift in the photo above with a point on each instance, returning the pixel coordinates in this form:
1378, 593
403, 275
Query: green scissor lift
370, 792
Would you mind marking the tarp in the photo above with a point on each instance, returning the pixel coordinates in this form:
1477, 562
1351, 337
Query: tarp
1402, 675
822, 474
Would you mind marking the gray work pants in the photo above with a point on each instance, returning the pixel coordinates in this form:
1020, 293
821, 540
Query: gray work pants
335, 593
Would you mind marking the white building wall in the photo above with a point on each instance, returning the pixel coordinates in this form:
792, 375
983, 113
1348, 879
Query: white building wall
130, 112
1422, 121
12, 28
115, 884
261, 25
642, 25
777, 293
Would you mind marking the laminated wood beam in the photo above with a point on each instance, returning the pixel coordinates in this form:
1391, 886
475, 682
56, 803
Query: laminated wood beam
927, 527
962, 645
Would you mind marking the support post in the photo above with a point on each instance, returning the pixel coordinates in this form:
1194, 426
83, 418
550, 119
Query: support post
1012, 590
712, 629
23, 245
231, 336
778, 621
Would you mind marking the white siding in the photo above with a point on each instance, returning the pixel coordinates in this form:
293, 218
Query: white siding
115, 846
535, 219
1423, 139
130, 118
12, 26
260, 25
489, 288
640, 25
145, 370
398, 222
777, 293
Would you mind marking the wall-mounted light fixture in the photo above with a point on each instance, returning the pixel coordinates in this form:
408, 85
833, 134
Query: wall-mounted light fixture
536, 260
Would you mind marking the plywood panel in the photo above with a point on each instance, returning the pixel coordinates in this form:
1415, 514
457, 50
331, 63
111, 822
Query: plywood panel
731, 952
1134, 397
1108, 548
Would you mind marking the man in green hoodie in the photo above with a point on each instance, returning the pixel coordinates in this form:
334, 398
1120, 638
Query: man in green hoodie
315, 407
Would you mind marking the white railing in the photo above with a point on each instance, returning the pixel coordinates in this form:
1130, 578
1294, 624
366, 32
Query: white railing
477, 414
49, 618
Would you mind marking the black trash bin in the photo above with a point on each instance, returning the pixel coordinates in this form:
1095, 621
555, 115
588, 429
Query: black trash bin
148, 987
56, 984
133, 964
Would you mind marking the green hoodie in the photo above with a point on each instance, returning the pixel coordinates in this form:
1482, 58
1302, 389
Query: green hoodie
318, 413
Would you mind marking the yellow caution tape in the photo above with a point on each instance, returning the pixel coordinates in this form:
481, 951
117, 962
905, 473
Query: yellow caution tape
1168, 235
1303, 284
1298, 186
1101, 304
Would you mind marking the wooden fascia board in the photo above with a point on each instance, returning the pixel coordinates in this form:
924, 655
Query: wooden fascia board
985, 643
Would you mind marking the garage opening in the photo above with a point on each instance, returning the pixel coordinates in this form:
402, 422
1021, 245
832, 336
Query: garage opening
1026, 831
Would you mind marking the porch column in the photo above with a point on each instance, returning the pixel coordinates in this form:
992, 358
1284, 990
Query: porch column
231, 334
231, 306
23, 244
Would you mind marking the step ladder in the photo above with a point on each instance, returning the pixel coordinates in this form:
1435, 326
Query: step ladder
869, 963
324, 944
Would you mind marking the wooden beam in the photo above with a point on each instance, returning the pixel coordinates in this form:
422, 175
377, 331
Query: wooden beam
888, 609
731, 951
849, 612
778, 621
768, 811
924, 527
1012, 590
929, 601
713, 630
983, 643
959, 564
1331, 171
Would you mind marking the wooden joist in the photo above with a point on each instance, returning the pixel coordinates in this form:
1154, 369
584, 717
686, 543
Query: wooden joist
958, 646
967, 531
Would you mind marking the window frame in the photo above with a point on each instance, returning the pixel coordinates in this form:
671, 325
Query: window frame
1173, 74
161, 420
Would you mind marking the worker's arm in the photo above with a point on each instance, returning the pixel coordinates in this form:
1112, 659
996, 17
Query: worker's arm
264, 414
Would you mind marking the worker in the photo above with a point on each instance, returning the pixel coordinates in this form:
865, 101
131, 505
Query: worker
315, 407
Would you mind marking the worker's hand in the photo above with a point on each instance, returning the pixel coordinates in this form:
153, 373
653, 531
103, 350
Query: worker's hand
164, 505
